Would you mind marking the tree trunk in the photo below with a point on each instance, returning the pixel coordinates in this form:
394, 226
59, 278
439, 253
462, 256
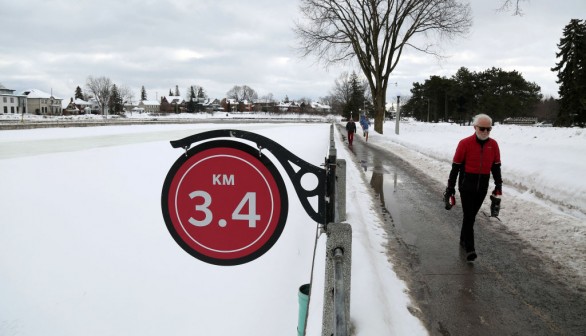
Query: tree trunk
379, 110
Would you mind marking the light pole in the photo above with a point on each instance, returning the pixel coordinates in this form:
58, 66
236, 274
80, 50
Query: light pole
398, 116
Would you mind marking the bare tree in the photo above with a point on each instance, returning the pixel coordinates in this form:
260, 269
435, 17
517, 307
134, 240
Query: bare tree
512, 5
235, 93
342, 91
241, 93
375, 32
101, 88
341, 94
126, 94
268, 97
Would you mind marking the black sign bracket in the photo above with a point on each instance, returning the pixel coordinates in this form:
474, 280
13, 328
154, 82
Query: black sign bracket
295, 167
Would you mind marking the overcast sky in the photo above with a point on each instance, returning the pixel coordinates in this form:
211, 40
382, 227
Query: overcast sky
54, 45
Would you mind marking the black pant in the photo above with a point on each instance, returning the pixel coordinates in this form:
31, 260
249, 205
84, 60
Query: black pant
471, 203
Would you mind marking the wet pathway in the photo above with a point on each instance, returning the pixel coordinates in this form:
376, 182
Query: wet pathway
507, 291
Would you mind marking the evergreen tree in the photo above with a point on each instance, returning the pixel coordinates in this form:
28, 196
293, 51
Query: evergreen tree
143, 94
505, 94
170, 92
467, 99
201, 93
418, 105
357, 100
115, 104
177, 90
571, 71
498, 93
78, 93
192, 103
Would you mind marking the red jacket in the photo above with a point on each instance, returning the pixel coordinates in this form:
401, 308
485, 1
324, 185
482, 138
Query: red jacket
473, 162
477, 158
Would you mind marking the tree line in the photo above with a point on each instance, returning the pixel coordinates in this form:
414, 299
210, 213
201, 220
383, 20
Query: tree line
114, 97
498, 93
374, 34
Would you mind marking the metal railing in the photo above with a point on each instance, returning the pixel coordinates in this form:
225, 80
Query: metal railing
336, 310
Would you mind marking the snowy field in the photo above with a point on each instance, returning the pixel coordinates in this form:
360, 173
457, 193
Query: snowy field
84, 249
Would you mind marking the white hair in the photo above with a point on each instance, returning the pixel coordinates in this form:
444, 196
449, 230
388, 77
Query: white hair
480, 116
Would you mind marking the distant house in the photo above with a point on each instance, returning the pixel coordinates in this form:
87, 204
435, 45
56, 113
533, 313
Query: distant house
130, 106
173, 100
95, 106
213, 105
198, 104
233, 105
11, 103
289, 107
40, 102
171, 104
322, 108
149, 106
84, 107
229, 105
264, 105
69, 108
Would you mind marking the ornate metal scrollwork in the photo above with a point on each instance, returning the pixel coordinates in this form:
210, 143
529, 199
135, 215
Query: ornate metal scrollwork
288, 161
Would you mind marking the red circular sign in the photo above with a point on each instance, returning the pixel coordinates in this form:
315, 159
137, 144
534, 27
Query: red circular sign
224, 203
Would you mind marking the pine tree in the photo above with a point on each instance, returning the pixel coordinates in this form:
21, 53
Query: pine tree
201, 93
357, 95
177, 91
78, 93
356, 102
143, 94
115, 104
191, 104
192, 93
572, 75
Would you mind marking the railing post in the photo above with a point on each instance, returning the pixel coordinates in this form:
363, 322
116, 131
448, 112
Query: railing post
337, 266
331, 179
340, 215
340, 317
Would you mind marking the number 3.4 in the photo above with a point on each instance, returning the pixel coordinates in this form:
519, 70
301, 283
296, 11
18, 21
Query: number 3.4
249, 197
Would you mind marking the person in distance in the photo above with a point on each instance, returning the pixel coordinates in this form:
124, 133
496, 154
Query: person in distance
351, 129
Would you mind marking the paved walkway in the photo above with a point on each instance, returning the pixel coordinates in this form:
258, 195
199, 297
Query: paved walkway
509, 290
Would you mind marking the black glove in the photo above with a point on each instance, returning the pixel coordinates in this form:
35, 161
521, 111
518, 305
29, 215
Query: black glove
495, 205
449, 198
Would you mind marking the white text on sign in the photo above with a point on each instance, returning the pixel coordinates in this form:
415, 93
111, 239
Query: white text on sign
249, 198
222, 179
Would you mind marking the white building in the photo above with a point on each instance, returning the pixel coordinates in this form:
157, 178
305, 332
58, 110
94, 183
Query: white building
149, 106
323, 108
40, 102
11, 103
